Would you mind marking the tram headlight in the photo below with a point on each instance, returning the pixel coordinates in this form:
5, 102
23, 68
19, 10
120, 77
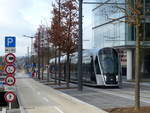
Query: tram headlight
105, 77
117, 77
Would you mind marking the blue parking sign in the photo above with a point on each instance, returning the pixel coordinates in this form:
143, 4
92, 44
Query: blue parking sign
10, 41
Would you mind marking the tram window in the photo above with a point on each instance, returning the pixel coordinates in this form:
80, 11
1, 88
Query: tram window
91, 66
97, 66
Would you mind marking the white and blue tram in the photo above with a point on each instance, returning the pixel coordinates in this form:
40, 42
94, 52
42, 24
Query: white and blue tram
101, 67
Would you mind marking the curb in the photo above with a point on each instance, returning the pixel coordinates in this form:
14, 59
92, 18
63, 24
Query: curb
22, 110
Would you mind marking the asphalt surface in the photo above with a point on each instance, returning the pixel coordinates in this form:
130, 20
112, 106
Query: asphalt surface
106, 98
38, 98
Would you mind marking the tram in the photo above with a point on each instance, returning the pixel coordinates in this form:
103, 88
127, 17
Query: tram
100, 67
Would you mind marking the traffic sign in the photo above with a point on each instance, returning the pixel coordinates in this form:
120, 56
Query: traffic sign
10, 58
10, 41
10, 50
10, 96
10, 80
10, 44
10, 69
9, 88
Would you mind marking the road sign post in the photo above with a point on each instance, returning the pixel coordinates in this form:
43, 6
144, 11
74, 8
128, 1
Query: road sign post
9, 105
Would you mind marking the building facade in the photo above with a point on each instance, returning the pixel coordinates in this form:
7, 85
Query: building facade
110, 30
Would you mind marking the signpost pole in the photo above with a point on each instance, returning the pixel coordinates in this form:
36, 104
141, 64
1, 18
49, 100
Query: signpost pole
80, 87
9, 105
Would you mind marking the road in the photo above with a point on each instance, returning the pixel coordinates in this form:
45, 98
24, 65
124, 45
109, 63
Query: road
38, 98
111, 97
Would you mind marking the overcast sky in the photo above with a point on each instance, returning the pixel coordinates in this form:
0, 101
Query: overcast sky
22, 17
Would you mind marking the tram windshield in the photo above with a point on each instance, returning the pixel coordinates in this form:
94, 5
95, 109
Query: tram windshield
109, 61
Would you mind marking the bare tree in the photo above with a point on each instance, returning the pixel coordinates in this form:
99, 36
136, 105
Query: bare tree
70, 18
134, 16
56, 32
38, 50
64, 29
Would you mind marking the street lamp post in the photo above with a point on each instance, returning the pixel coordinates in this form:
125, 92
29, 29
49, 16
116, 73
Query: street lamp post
32, 56
80, 86
27, 61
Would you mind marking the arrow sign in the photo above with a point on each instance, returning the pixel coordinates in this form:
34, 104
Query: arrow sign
10, 96
10, 58
10, 80
10, 69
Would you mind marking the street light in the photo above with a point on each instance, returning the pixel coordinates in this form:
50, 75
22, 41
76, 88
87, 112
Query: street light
80, 86
32, 57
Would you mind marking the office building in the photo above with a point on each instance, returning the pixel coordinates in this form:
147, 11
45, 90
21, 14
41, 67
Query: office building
110, 30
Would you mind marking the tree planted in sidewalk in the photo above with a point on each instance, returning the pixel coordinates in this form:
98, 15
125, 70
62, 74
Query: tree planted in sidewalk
56, 32
134, 16
70, 23
37, 46
64, 29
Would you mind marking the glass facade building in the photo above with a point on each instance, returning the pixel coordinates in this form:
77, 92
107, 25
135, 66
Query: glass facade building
107, 30
110, 30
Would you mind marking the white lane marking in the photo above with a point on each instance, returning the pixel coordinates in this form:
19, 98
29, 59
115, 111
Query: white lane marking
58, 109
45, 99
38, 93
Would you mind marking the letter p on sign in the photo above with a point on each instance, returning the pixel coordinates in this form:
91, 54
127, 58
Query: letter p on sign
10, 41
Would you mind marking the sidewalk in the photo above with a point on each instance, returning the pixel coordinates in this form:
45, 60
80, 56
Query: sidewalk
39, 98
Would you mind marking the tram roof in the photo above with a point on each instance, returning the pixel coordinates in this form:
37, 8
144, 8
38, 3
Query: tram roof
86, 52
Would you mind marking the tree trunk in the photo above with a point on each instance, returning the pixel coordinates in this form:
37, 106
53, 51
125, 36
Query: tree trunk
48, 67
137, 64
67, 70
39, 74
55, 66
59, 52
59, 67
42, 63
